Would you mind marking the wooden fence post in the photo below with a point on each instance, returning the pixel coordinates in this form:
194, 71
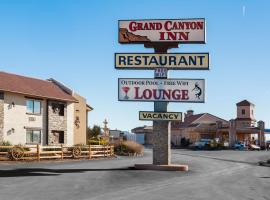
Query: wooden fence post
62, 152
90, 156
111, 150
38, 153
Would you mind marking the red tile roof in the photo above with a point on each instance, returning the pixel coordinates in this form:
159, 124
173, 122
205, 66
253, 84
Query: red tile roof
189, 120
32, 87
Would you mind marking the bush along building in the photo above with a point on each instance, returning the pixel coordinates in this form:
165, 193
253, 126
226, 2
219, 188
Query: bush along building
244, 128
34, 111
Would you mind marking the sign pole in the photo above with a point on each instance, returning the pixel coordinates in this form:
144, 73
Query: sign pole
161, 129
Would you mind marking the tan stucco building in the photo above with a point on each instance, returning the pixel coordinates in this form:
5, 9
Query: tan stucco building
81, 109
207, 126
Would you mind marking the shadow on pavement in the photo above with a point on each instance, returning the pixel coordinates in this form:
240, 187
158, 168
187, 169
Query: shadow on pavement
215, 158
51, 172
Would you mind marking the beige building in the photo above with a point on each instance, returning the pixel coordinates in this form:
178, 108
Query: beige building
40, 111
81, 109
144, 134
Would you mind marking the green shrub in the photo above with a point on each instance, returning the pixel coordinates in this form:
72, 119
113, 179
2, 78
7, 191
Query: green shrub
22, 146
82, 146
128, 147
97, 142
5, 143
52, 149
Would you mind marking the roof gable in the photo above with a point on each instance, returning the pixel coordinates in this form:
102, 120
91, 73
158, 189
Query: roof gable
189, 120
196, 120
208, 118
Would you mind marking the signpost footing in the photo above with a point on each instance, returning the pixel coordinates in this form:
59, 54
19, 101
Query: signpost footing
171, 167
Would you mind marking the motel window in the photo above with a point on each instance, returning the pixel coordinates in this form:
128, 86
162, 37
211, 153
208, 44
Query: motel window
33, 106
58, 137
59, 108
243, 111
33, 136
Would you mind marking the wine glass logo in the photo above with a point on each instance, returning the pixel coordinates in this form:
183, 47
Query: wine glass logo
126, 89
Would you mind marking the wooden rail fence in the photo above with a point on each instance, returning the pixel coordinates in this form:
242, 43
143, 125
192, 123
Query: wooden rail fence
38, 152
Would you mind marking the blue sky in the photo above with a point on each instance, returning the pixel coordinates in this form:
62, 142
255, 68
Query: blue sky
75, 41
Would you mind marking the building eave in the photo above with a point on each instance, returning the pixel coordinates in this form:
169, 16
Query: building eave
89, 108
73, 100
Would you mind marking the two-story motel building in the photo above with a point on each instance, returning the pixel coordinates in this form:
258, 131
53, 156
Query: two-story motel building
34, 111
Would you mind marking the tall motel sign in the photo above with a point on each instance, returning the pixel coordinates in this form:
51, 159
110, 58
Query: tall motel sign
162, 35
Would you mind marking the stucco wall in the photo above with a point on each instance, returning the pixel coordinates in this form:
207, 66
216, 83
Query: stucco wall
80, 113
16, 120
70, 124
176, 136
248, 112
1, 116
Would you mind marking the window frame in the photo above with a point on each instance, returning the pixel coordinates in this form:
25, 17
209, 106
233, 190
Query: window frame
33, 106
32, 136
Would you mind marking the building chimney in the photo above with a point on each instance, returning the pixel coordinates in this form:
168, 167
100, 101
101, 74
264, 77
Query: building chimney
189, 113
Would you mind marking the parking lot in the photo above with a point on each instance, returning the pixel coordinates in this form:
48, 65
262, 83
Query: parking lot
212, 175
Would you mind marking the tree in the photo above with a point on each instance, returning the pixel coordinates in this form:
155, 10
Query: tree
93, 132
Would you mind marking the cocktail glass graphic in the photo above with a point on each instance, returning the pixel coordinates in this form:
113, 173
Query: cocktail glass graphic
126, 89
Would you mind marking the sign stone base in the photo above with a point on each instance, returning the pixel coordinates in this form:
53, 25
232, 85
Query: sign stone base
161, 167
161, 143
162, 137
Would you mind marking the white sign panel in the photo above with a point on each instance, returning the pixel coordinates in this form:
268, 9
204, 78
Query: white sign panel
176, 61
169, 90
160, 116
164, 30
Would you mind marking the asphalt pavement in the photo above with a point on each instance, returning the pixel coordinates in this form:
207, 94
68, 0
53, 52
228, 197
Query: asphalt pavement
212, 175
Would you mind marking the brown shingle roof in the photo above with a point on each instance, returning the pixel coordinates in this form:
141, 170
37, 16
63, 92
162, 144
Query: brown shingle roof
32, 86
244, 103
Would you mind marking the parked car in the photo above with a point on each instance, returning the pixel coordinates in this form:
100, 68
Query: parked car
253, 147
201, 144
239, 146
267, 145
